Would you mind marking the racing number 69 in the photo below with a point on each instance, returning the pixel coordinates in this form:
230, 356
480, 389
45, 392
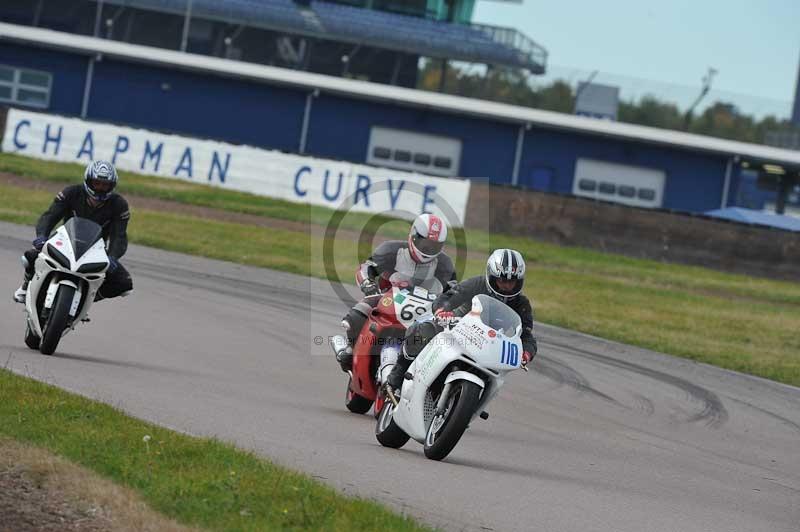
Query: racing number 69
407, 314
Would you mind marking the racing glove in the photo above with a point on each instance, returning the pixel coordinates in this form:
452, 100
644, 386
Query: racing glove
368, 287
38, 242
527, 356
445, 318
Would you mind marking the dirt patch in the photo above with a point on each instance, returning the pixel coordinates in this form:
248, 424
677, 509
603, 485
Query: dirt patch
42, 492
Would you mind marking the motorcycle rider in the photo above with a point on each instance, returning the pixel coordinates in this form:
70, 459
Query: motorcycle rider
95, 200
420, 257
503, 280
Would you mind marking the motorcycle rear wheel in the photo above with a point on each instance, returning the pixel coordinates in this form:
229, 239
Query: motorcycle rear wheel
386, 430
358, 404
446, 430
57, 321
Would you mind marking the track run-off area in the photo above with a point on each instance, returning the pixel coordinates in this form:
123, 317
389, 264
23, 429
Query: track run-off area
598, 436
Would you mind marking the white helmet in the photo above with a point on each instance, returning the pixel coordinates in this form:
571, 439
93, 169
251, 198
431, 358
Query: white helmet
505, 265
426, 238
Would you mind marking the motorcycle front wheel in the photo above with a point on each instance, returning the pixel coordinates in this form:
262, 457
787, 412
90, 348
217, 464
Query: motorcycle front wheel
447, 428
57, 321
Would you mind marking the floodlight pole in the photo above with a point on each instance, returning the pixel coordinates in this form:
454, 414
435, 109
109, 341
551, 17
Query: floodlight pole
186, 21
706, 87
97, 17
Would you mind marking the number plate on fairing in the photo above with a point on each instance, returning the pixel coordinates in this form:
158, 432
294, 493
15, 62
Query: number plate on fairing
409, 307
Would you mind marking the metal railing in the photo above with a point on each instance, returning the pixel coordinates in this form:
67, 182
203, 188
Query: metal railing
512, 38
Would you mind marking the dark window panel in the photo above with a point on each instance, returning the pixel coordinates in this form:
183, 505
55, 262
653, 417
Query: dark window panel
607, 188
381, 153
422, 159
442, 162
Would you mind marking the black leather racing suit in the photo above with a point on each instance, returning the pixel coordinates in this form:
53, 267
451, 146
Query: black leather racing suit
112, 215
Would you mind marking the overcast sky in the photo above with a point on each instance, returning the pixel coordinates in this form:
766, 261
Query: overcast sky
755, 44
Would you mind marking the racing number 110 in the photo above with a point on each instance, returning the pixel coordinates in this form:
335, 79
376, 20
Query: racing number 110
510, 354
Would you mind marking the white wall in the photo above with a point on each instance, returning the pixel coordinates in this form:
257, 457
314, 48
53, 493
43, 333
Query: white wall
338, 185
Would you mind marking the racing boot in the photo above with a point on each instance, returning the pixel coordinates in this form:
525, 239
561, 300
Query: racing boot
343, 352
397, 375
352, 324
21, 293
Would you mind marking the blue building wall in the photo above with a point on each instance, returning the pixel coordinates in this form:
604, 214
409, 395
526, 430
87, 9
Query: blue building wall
68, 71
242, 111
694, 181
205, 106
340, 127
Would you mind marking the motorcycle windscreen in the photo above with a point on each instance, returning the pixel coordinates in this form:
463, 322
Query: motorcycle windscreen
401, 280
498, 316
82, 234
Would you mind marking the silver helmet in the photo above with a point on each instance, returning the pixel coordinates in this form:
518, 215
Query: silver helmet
504, 266
100, 179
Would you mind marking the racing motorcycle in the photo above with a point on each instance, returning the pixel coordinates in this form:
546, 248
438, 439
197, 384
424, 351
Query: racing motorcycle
68, 272
380, 339
453, 379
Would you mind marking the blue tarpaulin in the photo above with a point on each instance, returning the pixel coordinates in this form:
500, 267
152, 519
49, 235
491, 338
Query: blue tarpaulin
749, 216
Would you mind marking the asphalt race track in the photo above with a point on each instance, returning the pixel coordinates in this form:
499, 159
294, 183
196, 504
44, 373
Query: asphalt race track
600, 437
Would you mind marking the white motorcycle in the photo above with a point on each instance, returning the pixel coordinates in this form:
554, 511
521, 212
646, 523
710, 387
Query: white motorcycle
69, 270
453, 379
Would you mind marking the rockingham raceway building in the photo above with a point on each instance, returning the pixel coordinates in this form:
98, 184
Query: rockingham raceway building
386, 126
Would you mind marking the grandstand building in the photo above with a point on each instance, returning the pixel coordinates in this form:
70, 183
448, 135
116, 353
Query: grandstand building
374, 40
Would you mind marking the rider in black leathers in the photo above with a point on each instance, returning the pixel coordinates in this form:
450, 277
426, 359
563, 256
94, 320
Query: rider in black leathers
95, 201
504, 278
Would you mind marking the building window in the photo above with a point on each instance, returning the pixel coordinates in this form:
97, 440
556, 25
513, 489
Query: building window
381, 153
588, 185
443, 162
647, 194
607, 188
422, 159
25, 87
626, 191
402, 156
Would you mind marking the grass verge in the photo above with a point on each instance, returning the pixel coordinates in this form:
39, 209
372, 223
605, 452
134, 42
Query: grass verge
196, 481
738, 322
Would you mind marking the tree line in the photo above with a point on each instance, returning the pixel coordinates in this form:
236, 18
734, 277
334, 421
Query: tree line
720, 119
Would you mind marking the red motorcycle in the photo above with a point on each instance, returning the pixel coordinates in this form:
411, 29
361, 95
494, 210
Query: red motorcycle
379, 342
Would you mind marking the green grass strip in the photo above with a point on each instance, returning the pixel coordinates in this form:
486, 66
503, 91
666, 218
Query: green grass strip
197, 481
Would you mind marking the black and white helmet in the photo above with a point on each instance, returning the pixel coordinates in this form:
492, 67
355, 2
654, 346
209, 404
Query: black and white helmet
505, 265
100, 179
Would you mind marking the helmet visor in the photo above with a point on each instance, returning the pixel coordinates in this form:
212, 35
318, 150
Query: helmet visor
426, 246
506, 287
100, 186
